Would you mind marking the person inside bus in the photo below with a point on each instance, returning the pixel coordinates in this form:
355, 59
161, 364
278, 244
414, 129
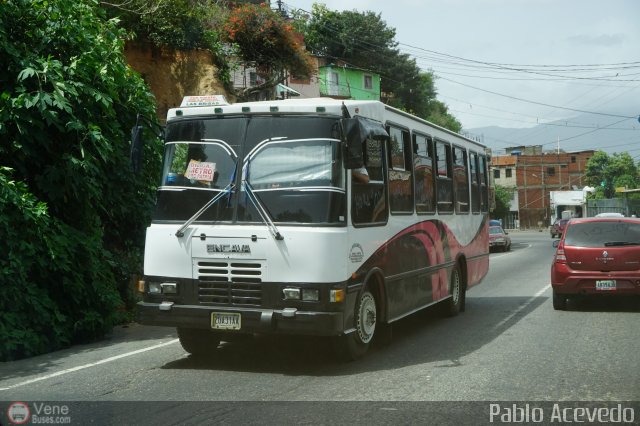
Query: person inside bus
360, 175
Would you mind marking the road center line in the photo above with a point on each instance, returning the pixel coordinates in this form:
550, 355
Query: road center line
92, 364
521, 307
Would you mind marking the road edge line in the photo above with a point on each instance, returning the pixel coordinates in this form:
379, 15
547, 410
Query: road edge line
92, 364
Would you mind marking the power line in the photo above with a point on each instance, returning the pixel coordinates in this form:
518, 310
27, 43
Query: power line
504, 67
523, 68
539, 103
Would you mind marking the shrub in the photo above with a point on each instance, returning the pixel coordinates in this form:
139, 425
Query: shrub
264, 37
73, 214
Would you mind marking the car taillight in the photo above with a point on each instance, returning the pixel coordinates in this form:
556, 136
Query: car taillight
560, 257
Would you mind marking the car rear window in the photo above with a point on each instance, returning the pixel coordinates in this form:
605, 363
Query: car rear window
602, 234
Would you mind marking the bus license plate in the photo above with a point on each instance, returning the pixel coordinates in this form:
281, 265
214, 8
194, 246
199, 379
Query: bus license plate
606, 285
225, 321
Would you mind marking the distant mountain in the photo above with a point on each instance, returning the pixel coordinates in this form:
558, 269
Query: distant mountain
580, 133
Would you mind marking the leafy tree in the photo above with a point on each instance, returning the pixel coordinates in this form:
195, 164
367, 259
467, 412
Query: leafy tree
503, 196
364, 40
362, 37
624, 171
264, 38
182, 24
605, 173
73, 214
439, 114
597, 175
178, 24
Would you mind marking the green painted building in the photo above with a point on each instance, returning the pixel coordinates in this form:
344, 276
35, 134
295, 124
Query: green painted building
348, 83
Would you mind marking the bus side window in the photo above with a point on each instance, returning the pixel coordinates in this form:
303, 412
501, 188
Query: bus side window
423, 172
475, 183
444, 184
460, 180
368, 200
484, 186
400, 171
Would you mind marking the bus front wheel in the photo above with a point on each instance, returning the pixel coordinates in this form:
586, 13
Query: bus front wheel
354, 345
198, 342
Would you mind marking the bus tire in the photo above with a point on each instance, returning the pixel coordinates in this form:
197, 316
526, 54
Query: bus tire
354, 345
198, 342
453, 305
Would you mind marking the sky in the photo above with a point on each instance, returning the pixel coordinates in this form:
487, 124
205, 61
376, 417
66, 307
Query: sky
520, 63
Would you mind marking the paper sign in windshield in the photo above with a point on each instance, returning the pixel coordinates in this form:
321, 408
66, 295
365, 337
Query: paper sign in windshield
202, 171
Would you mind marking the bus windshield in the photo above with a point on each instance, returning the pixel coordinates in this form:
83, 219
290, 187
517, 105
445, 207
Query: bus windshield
292, 163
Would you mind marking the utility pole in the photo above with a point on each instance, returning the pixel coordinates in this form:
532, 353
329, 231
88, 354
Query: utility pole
542, 186
558, 146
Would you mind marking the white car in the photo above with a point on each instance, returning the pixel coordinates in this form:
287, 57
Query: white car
609, 215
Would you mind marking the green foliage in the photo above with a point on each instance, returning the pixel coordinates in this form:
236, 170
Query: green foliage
57, 287
263, 37
439, 115
362, 37
74, 215
606, 173
364, 40
503, 196
179, 24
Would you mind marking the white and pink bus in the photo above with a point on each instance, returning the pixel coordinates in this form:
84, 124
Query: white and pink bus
261, 225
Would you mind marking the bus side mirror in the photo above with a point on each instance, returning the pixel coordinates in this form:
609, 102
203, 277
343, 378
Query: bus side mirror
137, 140
135, 157
356, 130
353, 157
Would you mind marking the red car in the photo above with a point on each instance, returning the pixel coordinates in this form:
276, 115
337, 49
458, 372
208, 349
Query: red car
596, 256
499, 239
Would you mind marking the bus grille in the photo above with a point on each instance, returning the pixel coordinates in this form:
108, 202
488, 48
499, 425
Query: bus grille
229, 283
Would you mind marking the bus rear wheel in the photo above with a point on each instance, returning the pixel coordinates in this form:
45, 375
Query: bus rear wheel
198, 342
455, 303
354, 345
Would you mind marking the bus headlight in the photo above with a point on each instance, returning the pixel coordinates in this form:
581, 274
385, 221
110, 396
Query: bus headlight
155, 288
291, 293
169, 288
163, 288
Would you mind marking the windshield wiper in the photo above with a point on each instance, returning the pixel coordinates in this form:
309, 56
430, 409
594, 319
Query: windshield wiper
227, 190
266, 218
621, 243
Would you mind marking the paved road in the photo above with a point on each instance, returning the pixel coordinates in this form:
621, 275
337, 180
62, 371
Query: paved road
509, 345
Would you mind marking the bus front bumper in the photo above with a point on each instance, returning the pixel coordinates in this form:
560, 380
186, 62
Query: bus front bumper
252, 320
